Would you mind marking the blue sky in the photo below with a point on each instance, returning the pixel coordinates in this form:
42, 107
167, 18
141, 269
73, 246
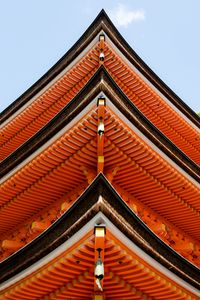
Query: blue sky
36, 33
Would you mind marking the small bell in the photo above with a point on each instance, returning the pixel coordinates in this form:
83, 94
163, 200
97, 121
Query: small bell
99, 271
101, 57
101, 127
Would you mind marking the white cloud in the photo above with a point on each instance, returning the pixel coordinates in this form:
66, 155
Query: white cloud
122, 16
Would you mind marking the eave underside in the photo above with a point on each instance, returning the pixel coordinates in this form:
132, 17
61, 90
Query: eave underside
142, 279
71, 160
130, 80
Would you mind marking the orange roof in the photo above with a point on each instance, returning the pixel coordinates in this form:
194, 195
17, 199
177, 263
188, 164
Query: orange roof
72, 159
71, 275
127, 74
153, 106
128, 250
82, 120
47, 105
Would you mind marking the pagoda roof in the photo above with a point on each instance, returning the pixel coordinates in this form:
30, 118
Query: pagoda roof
101, 22
60, 84
102, 81
44, 151
101, 197
54, 149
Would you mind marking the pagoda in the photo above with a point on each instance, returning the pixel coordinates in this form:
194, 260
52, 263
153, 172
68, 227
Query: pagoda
100, 181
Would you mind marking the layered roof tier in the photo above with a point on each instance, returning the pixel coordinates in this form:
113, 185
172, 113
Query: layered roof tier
137, 264
55, 89
100, 111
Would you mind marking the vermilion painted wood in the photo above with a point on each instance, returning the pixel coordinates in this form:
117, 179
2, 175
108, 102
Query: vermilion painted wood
45, 107
148, 101
71, 275
153, 106
72, 160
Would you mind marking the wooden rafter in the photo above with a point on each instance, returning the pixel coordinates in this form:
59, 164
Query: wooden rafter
126, 275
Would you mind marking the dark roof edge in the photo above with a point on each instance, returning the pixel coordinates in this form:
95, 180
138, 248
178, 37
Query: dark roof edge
65, 116
137, 61
102, 21
137, 118
78, 103
81, 212
58, 67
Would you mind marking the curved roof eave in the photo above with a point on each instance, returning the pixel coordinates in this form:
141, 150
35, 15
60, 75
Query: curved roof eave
114, 208
102, 22
100, 82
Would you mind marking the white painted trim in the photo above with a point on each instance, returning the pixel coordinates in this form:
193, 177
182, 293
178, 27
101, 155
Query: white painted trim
150, 84
61, 74
116, 232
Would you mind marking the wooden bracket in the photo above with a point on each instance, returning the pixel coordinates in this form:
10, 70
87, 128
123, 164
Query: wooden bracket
110, 173
11, 245
89, 173
40, 226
